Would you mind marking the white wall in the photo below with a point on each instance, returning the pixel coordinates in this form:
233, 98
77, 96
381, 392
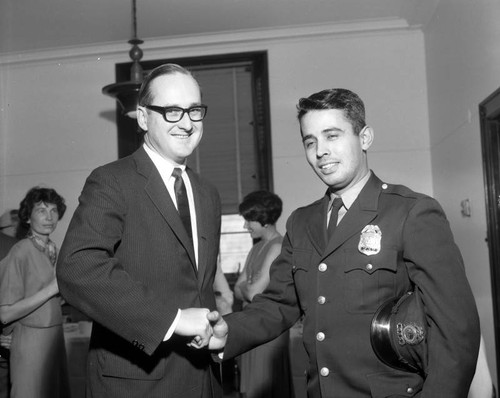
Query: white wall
56, 126
387, 71
463, 58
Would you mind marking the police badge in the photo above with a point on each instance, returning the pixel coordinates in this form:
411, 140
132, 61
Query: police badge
369, 241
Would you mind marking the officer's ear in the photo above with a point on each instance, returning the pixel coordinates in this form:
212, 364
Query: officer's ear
142, 118
366, 137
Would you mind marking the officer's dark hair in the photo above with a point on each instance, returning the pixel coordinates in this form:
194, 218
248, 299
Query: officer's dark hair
336, 98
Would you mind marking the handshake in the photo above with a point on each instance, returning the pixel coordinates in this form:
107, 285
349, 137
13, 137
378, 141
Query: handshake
208, 328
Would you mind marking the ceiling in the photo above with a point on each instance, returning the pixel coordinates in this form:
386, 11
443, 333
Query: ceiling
31, 25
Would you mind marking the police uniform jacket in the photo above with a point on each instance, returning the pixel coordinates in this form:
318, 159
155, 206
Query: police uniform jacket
338, 285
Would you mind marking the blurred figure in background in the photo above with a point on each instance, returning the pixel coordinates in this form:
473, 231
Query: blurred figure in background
6, 242
9, 225
9, 221
30, 305
265, 370
482, 384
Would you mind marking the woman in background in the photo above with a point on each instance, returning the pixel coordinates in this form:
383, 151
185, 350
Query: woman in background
265, 370
30, 306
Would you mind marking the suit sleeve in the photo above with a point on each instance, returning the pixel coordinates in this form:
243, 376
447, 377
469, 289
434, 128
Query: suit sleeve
436, 267
92, 278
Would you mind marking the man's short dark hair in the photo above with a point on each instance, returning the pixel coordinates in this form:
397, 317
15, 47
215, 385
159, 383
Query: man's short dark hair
145, 96
336, 98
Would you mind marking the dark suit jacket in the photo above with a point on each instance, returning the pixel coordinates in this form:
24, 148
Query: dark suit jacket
128, 264
338, 289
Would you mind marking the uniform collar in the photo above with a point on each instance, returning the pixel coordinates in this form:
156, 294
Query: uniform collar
349, 196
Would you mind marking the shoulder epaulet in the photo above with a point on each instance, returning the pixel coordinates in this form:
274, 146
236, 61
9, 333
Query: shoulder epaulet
401, 190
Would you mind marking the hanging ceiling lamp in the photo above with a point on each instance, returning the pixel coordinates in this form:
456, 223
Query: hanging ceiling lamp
126, 92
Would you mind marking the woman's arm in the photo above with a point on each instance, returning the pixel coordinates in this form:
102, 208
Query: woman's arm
23, 307
240, 284
223, 294
260, 280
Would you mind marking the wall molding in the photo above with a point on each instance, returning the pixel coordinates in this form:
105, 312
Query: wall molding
206, 41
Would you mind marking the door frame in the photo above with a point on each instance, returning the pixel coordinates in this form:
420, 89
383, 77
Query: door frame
489, 116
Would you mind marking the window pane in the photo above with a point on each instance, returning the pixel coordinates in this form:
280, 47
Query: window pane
235, 243
227, 154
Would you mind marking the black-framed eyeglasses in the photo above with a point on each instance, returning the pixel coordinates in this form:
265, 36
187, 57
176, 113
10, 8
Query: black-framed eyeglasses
173, 114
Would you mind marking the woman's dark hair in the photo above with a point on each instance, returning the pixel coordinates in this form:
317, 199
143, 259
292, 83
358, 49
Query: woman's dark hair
262, 206
36, 195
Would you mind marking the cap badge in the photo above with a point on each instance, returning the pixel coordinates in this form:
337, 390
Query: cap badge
409, 333
369, 241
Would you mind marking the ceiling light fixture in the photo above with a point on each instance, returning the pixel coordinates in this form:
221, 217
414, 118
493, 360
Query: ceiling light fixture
126, 92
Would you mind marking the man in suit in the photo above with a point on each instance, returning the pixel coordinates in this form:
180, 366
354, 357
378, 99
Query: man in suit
132, 265
6, 242
385, 240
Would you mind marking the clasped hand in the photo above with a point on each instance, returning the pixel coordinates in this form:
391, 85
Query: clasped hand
208, 328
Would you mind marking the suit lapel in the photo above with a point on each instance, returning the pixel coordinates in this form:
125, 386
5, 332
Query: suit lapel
201, 201
158, 193
360, 214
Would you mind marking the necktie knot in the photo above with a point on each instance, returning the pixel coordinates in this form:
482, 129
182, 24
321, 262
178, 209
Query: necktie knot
177, 172
337, 204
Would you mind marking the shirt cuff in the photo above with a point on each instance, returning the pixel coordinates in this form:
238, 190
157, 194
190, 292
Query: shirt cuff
172, 327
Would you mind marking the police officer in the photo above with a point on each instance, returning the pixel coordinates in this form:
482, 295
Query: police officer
384, 241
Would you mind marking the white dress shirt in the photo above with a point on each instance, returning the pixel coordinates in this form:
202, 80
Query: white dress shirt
165, 168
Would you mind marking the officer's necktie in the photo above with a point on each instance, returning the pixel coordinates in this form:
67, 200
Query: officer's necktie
334, 216
182, 200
